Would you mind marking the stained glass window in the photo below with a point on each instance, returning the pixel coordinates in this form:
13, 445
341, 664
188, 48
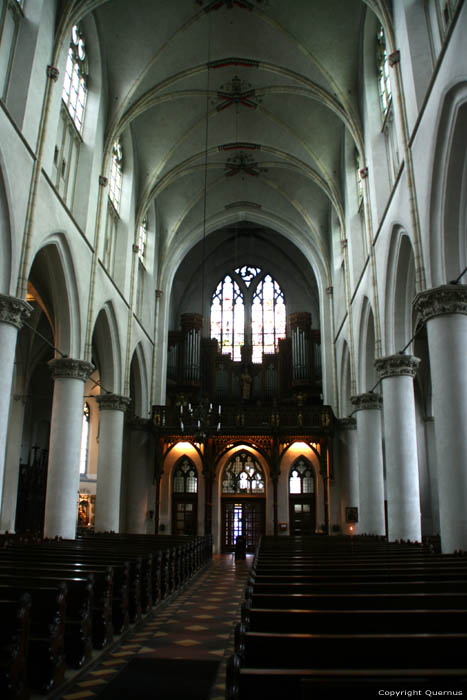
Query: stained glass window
248, 304
142, 239
74, 89
228, 317
115, 183
385, 94
301, 478
243, 474
185, 478
267, 318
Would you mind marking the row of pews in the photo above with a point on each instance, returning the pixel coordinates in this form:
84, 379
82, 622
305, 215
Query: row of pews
62, 599
327, 615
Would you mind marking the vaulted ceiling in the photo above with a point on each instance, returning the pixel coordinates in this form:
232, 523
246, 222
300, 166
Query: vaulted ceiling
244, 100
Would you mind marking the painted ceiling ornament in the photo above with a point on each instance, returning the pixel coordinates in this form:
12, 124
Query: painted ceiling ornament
243, 163
230, 4
237, 92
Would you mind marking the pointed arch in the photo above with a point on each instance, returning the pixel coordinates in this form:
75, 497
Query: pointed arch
448, 212
139, 383
367, 345
107, 352
400, 292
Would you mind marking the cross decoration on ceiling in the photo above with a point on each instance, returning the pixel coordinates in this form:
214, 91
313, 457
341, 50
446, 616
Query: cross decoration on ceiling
243, 163
237, 92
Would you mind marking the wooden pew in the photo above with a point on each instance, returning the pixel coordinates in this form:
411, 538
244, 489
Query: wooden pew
46, 645
14, 638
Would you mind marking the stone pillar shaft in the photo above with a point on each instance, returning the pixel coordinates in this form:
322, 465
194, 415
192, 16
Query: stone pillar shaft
61, 507
444, 309
350, 496
109, 472
400, 432
370, 458
138, 482
12, 313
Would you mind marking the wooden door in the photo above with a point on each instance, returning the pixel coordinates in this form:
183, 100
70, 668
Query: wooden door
244, 517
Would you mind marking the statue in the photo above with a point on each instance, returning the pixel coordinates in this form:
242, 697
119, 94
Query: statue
245, 383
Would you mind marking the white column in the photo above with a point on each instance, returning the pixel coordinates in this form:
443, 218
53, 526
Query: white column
370, 463
444, 310
400, 443
61, 503
13, 312
138, 478
109, 471
350, 494
12, 464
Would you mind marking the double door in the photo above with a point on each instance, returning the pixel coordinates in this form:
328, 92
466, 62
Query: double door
245, 517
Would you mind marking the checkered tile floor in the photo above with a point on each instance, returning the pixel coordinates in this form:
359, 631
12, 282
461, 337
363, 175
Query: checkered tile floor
197, 623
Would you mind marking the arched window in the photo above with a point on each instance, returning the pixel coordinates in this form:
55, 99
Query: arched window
184, 498
113, 209
69, 136
185, 478
301, 478
385, 94
115, 183
74, 89
248, 307
243, 475
83, 460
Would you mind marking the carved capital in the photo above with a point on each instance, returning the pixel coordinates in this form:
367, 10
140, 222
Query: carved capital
113, 402
159, 293
103, 181
363, 173
368, 401
69, 368
394, 58
53, 73
13, 311
397, 366
347, 424
446, 299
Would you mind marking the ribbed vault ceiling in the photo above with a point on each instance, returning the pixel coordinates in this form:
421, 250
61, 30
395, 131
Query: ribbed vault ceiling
248, 101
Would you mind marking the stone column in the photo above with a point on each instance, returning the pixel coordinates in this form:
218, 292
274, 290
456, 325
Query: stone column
350, 490
370, 463
109, 471
61, 503
444, 310
400, 443
13, 312
138, 478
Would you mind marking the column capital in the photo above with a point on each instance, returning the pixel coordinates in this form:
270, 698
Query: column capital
348, 423
368, 401
13, 310
446, 299
397, 366
113, 402
69, 368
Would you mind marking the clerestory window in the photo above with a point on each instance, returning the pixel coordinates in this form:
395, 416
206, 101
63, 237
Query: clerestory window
382, 62
248, 307
75, 89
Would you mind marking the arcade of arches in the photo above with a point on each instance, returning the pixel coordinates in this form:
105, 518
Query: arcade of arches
233, 243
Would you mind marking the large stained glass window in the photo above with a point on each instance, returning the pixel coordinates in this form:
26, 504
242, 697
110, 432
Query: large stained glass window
248, 306
301, 478
228, 317
243, 474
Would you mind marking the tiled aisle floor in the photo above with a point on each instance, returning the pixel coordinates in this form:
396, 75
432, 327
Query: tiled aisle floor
196, 624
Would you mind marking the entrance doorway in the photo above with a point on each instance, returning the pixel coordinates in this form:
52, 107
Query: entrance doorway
244, 517
302, 500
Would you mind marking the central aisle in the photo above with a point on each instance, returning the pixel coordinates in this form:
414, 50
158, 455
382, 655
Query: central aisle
196, 626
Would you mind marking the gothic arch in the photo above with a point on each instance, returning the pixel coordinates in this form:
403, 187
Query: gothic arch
139, 383
448, 211
366, 349
53, 274
6, 268
400, 292
345, 381
107, 354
